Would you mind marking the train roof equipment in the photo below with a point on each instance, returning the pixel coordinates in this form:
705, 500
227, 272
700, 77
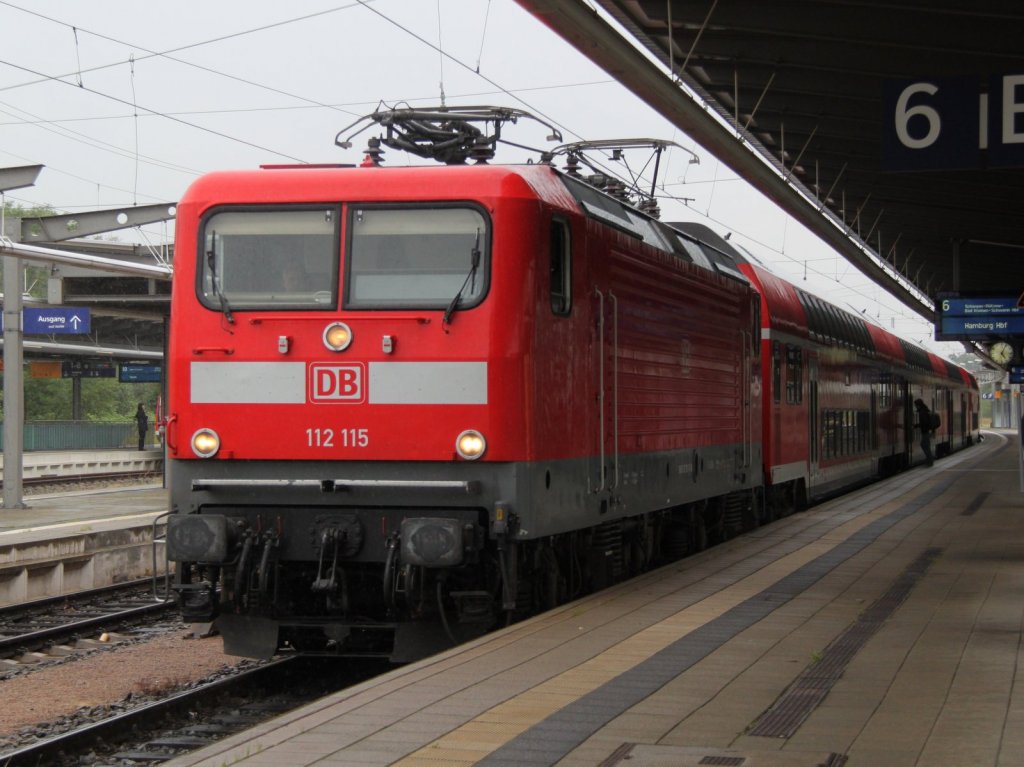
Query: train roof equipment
448, 135
456, 135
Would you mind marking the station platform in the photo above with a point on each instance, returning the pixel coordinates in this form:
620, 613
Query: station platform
70, 542
55, 464
881, 628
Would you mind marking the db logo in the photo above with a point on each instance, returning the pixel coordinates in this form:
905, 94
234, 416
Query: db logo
335, 383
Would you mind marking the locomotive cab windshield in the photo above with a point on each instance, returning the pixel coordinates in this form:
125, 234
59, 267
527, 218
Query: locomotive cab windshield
416, 257
270, 258
397, 257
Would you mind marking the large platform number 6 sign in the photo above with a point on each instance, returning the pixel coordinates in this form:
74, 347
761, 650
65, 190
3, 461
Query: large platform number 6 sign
954, 122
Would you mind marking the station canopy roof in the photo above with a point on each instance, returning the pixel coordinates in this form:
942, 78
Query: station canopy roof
837, 96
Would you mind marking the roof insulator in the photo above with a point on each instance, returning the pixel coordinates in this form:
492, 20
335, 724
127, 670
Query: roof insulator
374, 154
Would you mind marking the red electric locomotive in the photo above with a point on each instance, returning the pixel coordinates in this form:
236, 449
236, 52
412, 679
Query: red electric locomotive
407, 402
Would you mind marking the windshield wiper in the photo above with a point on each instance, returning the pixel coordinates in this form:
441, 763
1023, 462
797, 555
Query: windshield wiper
474, 263
211, 260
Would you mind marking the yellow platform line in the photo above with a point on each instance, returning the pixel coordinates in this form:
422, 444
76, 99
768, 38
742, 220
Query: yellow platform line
498, 725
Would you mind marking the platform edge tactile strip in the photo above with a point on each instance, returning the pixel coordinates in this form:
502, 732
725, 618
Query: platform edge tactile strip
784, 717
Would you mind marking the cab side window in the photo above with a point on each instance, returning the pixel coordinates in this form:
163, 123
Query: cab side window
560, 271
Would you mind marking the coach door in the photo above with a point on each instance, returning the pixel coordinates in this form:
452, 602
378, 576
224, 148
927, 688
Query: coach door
745, 397
949, 423
814, 425
905, 420
962, 422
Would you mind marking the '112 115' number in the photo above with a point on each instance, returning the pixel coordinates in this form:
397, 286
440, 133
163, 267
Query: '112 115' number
344, 437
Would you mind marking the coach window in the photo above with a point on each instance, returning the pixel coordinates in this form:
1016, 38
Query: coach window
830, 437
885, 393
416, 257
561, 268
265, 258
794, 375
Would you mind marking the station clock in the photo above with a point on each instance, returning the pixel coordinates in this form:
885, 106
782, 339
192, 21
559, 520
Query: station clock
1001, 352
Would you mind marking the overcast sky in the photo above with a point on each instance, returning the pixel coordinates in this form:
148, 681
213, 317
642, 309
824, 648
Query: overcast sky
127, 102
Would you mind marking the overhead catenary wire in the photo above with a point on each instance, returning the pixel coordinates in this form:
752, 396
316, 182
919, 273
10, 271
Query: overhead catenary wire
93, 142
57, 126
171, 116
42, 77
167, 54
137, 116
365, 105
529, 107
157, 112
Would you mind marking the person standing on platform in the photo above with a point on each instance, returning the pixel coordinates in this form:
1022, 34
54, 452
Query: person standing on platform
142, 420
924, 422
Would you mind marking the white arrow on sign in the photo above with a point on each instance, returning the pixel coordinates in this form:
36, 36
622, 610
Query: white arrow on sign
75, 322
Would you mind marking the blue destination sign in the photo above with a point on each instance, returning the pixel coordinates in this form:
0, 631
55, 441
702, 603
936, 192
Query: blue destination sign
1016, 374
139, 372
59, 319
1005, 325
966, 307
968, 318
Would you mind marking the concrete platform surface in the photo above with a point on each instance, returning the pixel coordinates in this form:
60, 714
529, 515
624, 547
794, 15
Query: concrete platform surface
881, 628
60, 544
57, 514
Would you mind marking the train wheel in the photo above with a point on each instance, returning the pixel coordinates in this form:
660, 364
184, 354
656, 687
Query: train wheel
773, 505
800, 496
715, 522
550, 579
677, 543
700, 533
754, 512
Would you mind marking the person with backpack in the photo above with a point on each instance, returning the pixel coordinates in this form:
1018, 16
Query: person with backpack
926, 423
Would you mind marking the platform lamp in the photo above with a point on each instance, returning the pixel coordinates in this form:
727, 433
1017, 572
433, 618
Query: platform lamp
14, 411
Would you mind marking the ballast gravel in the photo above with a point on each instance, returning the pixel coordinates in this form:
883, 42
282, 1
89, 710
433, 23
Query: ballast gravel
58, 696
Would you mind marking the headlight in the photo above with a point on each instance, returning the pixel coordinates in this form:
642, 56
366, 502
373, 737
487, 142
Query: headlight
205, 443
337, 336
470, 444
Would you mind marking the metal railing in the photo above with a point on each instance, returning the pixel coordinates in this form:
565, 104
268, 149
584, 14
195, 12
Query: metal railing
79, 435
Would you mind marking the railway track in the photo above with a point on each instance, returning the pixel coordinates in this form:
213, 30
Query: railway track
154, 725
68, 482
183, 721
29, 629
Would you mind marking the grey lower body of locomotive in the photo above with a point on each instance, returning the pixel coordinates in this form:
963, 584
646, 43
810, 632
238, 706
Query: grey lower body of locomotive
430, 514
